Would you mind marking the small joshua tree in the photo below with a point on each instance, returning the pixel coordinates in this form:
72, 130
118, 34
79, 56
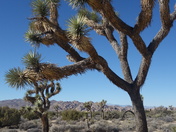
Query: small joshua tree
56, 108
43, 89
88, 106
102, 105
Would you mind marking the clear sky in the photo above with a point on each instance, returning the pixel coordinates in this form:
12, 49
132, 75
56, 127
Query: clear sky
159, 88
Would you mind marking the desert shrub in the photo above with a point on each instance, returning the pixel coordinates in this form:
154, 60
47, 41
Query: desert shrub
104, 126
54, 129
28, 125
51, 114
9, 116
30, 115
34, 130
168, 128
159, 112
10, 131
69, 128
97, 115
128, 125
71, 115
173, 129
156, 124
167, 118
112, 115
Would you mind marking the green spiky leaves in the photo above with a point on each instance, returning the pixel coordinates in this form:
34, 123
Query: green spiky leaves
32, 60
16, 78
33, 37
76, 3
77, 27
40, 8
90, 15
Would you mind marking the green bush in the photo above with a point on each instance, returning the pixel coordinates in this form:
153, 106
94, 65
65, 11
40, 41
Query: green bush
173, 129
160, 111
51, 114
30, 115
113, 115
9, 116
71, 115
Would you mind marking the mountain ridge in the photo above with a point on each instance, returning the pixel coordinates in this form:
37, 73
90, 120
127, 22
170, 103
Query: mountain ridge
63, 105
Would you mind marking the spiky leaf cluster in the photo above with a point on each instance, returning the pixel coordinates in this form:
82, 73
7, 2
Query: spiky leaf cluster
33, 37
90, 15
77, 27
76, 3
16, 78
40, 8
32, 60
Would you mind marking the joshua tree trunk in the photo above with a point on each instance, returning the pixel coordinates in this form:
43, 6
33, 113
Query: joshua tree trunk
102, 111
45, 122
138, 107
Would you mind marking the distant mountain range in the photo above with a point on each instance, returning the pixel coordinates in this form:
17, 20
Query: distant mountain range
63, 105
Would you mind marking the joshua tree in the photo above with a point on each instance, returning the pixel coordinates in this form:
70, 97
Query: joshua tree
102, 105
56, 108
45, 29
88, 106
43, 89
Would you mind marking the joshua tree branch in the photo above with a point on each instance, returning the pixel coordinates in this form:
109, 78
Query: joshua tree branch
52, 94
157, 39
98, 28
54, 13
112, 76
142, 73
59, 37
167, 20
121, 51
107, 11
145, 15
173, 15
51, 72
165, 13
123, 58
139, 44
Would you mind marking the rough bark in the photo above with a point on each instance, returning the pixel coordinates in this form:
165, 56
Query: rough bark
45, 122
138, 107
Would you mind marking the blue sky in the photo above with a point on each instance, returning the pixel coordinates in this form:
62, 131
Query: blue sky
159, 88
